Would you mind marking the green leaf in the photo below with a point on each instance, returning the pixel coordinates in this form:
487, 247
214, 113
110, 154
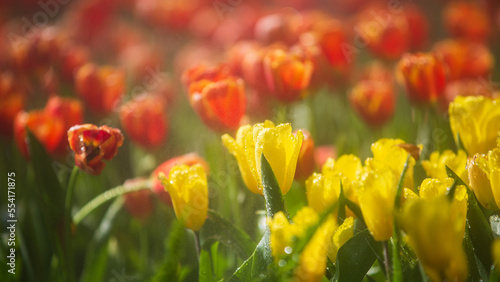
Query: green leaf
169, 271
48, 187
206, 269
477, 271
478, 228
96, 260
219, 229
272, 192
257, 263
357, 256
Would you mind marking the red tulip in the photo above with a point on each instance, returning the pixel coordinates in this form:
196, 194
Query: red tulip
144, 120
92, 145
100, 87
47, 129
424, 76
467, 20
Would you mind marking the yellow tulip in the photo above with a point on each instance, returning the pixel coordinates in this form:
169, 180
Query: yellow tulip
322, 191
376, 195
188, 189
433, 188
312, 260
277, 143
477, 120
348, 168
484, 177
435, 233
387, 152
435, 166
341, 235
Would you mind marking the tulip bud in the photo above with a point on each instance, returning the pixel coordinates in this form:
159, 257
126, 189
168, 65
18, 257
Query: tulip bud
92, 145
424, 76
189, 191
144, 120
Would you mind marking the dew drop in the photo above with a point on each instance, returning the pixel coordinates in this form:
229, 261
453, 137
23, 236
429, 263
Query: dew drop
288, 250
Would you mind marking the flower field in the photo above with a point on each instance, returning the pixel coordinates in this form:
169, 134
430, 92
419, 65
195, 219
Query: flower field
233, 140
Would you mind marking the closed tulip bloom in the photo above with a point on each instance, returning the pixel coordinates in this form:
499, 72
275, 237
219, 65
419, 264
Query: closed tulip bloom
187, 159
277, 143
322, 191
376, 194
12, 101
220, 104
435, 233
47, 129
374, 101
424, 77
92, 145
388, 40
433, 188
348, 167
484, 177
216, 95
477, 121
144, 120
189, 191
465, 59
435, 167
100, 87
287, 74
243, 149
391, 153
281, 149
467, 20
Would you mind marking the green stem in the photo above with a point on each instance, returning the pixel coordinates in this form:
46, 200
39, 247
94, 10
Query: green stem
68, 223
109, 195
197, 243
386, 260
